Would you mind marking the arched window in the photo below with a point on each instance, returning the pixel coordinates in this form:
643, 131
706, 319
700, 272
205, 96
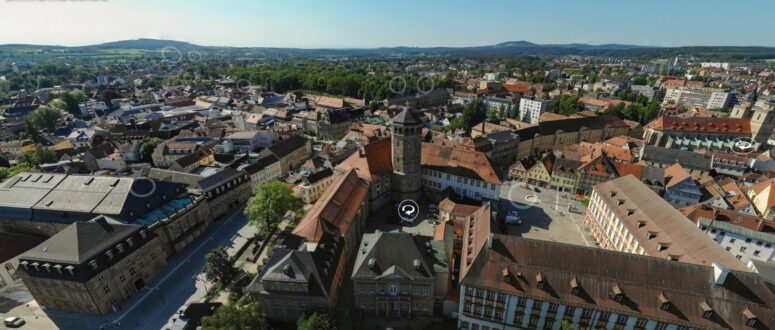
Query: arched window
393, 289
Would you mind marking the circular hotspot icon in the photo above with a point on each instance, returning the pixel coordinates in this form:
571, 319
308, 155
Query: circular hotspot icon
743, 145
394, 80
408, 210
142, 194
168, 49
420, 84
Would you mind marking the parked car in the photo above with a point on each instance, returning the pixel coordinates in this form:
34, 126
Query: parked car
14, 322
512, 218
536, 190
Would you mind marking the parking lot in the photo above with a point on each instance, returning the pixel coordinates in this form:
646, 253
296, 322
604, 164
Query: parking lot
545, 214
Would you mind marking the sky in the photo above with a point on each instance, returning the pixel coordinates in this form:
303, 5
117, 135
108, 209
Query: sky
389, 23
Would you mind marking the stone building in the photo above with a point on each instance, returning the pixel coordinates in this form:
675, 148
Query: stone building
407, 151
92, 266
225, 190
400, 275
515, 283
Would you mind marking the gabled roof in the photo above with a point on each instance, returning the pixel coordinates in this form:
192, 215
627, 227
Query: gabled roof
702, 124
373, 162
675, 174
460, 161
394, 254
640, 279
336, 210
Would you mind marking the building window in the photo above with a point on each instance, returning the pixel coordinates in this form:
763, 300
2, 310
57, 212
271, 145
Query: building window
641, 322
621, 319
393, 288
11, 271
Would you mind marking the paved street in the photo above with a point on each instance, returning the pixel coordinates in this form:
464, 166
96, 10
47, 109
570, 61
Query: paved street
151, 307
544, 215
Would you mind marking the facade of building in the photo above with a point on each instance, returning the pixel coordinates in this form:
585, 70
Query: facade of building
91, 267
680, 188
530, 110
315, 185
762, 196
565, 174
265, 169
626, 216
515, 284
400, 275
745, 236
225, 190
536, 140
13, 245
406, 151
292, 152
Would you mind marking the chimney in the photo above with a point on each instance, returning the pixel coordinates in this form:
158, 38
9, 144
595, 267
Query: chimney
720, 273
489, 241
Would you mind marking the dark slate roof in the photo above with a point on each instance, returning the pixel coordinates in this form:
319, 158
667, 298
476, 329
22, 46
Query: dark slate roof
407, 117
219, 178
567, 165
687, 159
384, 254
260, 164
82, 242
320, 175
295, 264
340, 115
287, 146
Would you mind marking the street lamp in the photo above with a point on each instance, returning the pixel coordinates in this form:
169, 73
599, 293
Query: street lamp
161, 296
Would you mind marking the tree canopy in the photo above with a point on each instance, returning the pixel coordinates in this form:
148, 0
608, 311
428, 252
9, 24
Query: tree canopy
218, 267
314, 322
240, 315
147, 147
270, 204
44, 118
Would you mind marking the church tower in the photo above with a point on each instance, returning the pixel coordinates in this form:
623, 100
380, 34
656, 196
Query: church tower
762, 123
407, 150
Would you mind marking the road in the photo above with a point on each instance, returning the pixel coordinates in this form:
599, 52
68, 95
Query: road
151, 307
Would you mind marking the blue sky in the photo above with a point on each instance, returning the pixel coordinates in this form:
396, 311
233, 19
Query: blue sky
371, 23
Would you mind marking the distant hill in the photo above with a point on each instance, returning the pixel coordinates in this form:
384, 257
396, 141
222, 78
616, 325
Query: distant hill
509, 48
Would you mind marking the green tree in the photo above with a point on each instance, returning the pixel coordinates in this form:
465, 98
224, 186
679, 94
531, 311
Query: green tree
72, 99
37, 157
473, 113
7, 172
44, 118
569, 104
218, 267
270, 204
147, 147
314, 322
236, 316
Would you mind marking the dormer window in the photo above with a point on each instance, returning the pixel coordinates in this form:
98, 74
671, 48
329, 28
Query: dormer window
143, 234
120, 247
664, 303
707, 310
58, 268
25, 264
641, 224
35, 265
651, 235
70, 269
662, 246
540, 280
130, 242
630, 212
109, 254
616, 293
93, 264
47, 267
619, 202
750, 318
574, 286
611, 194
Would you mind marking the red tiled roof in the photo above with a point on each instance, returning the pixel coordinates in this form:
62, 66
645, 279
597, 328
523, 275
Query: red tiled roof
336, 209
451, 157
702, 124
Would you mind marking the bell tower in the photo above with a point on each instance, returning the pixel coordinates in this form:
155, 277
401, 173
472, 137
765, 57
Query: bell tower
407, 150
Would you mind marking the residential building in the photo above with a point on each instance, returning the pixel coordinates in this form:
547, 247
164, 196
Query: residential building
300, 278
92, 266
469, 174
719, 100
264, 169
690, 97
292, 152
650, 92
745, 236
680, 189
693, 133
248, 141
192, 161
695, 163
530, 110
597, 170
565, 174
515, 283
334, 123
536, 140
314, 185
624, 215
762, 195
225, 190
540, 174
399, 275
435, 97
